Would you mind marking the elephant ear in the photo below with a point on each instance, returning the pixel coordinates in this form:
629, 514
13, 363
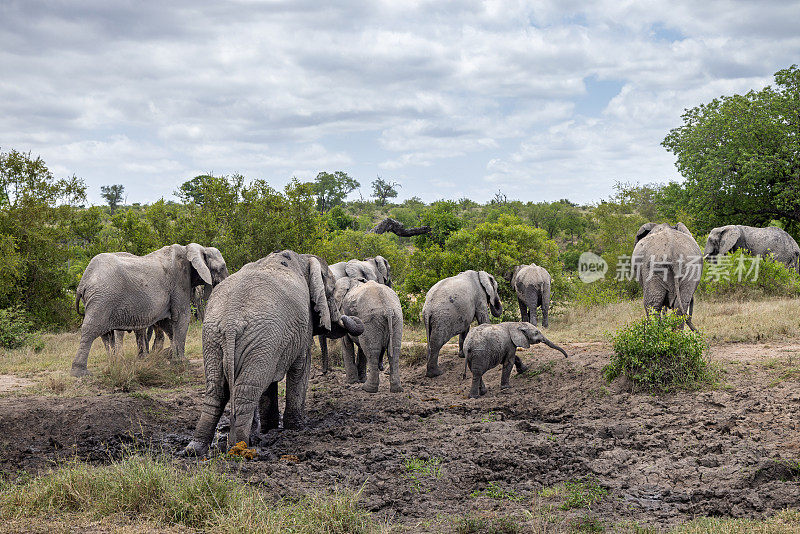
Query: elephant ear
354, 269
728, 239
195, 253
383, 270
682, 228
486, 282
513, 278
316, 288
643, 231
518, 335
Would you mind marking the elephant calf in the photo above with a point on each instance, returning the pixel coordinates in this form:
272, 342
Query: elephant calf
489, 345
379, 309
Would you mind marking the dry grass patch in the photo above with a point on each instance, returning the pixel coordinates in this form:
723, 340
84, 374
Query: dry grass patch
787, 521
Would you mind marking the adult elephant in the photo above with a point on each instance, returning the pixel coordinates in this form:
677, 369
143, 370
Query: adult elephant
450, 307
668, 264
127, 292
376, 269
259, 327
532, 285
758, 241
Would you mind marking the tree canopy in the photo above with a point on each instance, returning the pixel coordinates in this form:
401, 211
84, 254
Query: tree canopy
332, 188
112, 195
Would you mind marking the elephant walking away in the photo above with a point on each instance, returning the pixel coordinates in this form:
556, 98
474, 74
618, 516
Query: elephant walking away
668, 264
489, 345
532, 285
757, 241
377, 269
450, 307
379, 309
127, 292
259, 328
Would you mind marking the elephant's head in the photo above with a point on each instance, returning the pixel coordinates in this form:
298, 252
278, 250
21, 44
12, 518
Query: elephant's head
327, 309
722, 240
489, 285
653, 228
525, 334
208, 265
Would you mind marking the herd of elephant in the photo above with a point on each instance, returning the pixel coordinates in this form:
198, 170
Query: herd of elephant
259, 322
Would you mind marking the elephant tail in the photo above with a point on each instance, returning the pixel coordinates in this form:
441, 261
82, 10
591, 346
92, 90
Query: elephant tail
679, 301
228, 363
78, 297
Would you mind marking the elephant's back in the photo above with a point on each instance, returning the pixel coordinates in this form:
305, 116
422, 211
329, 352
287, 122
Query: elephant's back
484, 338
455, 292
532, 275
373, 299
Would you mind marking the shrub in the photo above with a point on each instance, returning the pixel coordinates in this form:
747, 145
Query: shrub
742, 274
15, 328
656, 354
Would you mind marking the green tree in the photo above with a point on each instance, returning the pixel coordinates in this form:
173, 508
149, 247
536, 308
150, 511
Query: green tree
383, 190
740, 156
112, 195
332, 188
442, 217
36, 213
192, 190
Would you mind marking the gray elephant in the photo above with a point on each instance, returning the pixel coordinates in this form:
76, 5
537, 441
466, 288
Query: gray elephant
127, 292
259, 328
450, 307
489, 345
376, 269
532, 284
668, 264
379, 309
113, 340
758, 241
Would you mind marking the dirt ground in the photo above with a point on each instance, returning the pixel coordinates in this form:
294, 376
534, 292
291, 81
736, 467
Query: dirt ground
428, 456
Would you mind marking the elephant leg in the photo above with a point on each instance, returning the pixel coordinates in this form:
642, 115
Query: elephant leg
434, 346
88, 334
508, 365
119, 336
268, 408
214, 400
159, 330
108, 342
246, 396
361, 363
461, 337
524, 312
532, 297
483, 387
393, 355
380, 361
475, 390
180, 328
373, 374
296, 388
546, 307
323, 348
349, 359
141, 342
521, 367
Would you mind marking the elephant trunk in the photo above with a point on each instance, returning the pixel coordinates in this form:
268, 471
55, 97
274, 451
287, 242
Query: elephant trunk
353, 325
554, 346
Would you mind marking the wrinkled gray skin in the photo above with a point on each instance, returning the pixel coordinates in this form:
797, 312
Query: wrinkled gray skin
200, 298
379, 309
127, 292
489, 345
757, 241
450, 307
532, 284
662, 251
376, 269
259, 328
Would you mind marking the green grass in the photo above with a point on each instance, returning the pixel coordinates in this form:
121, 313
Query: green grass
494, 491
575, 493
153, 490
420, 470
784, 522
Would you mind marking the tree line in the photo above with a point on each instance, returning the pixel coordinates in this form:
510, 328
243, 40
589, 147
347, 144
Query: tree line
739, 156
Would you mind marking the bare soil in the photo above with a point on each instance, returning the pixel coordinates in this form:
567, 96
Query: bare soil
733, 451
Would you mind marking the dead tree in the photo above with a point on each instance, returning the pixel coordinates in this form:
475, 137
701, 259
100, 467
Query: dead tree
396, 227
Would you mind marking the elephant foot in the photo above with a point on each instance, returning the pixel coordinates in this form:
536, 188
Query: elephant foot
505, 386
433, 373
484, 390
474, 395
293, 423
396, 388
461, 354
523, 369
78, 372
194, 449
370, 388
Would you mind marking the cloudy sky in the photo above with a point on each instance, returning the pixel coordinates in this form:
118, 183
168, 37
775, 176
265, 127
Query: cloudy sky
541, 100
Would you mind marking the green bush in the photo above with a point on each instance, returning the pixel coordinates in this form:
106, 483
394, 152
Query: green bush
742, 274
15, 328
656, 354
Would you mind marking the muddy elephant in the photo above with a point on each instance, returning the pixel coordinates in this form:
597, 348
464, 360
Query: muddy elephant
450, 307
127, 292
757, 241
377, 269
532, 285
489, 345
668, 264
379, 309
259, 328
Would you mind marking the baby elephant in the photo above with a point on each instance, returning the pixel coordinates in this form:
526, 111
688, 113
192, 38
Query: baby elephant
488, 345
